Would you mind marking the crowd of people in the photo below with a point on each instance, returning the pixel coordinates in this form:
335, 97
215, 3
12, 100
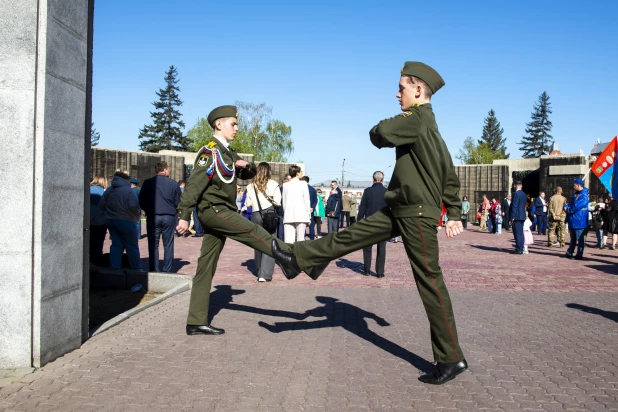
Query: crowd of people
292, 210
555, 218
118, 209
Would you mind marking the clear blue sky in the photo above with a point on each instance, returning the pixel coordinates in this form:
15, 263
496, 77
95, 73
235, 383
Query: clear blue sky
330, 69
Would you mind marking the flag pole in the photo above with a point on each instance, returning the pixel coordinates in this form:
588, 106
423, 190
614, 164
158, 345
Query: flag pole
587, 173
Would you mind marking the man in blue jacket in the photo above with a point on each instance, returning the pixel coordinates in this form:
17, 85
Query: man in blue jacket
518, 217
577, 216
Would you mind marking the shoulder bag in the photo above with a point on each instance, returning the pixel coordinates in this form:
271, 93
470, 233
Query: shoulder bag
270, 218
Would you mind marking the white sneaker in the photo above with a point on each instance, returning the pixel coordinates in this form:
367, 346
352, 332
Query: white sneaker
261, 280
526, 252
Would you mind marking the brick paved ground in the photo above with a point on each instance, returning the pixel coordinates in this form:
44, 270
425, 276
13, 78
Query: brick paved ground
539, 332
477, 261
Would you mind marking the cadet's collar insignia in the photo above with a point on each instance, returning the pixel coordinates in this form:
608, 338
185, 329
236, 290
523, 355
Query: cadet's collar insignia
409, 112
210, 145
203, 160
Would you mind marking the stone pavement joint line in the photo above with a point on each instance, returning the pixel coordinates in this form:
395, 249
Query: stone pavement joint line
339, 349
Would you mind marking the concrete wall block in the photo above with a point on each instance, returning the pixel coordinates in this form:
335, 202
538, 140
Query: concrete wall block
65, 107
18, 25
73, 14
18, 29
66, 55
16, 137
60, 326
15, 309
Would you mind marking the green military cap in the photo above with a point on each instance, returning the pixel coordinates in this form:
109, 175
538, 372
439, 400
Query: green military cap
425, 73
222, 111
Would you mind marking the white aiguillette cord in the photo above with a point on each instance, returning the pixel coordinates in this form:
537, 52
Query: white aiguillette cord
231, 179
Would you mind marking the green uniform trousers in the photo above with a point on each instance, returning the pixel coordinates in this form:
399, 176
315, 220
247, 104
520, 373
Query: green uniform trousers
559, 228
421, 243
220, 223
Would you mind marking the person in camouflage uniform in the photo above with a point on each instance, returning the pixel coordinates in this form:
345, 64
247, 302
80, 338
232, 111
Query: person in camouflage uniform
556, 217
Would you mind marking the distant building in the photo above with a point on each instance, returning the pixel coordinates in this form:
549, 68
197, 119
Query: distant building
598, 148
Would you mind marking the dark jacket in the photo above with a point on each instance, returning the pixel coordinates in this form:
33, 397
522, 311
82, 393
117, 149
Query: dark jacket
205, 188
577, 210
518, 206
372, 201
333, 205
538, 203
424, 177
160, 195
506, 209
119, 201
313, 197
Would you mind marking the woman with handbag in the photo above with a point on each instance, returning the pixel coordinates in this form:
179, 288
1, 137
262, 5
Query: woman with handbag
263, 197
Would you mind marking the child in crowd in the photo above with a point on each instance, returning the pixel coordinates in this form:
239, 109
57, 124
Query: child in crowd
528, 239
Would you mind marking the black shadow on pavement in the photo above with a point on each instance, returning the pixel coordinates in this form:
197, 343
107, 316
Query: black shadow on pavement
223, 296
562, 251
356, 267
589, 309
353, 319
250, 265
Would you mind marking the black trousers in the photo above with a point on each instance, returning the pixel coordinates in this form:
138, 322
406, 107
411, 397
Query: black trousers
160, 226
505, 222
380, 258
344, 216
97, 238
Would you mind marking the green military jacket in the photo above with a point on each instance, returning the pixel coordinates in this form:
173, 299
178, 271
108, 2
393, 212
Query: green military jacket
208, 186
424, 176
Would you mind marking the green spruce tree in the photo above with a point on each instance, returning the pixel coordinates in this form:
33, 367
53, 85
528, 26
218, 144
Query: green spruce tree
94, 136
492, 136
537, 140
165, 131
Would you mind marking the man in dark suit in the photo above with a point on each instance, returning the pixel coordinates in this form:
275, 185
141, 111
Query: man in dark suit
159, 199
371, 202
541, 213
518, 216
506, 207
313, 202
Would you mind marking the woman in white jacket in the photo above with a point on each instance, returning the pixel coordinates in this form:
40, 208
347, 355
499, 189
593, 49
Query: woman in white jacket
263, 196
296, 207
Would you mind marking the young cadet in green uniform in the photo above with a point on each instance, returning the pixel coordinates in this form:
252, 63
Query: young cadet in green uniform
424, 178
212, 188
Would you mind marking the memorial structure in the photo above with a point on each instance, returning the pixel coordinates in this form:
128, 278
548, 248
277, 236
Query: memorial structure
45, 107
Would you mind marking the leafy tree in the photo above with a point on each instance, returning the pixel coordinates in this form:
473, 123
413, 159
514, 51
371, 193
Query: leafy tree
94, 136
165, 131
538, 140
492, 136
267, 139
475, 154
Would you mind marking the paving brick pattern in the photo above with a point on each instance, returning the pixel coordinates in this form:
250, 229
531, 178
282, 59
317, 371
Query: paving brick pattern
332, 349
472, 261
539, 332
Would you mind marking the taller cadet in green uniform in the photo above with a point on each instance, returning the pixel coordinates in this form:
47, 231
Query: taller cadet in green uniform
424, 178
212, 188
